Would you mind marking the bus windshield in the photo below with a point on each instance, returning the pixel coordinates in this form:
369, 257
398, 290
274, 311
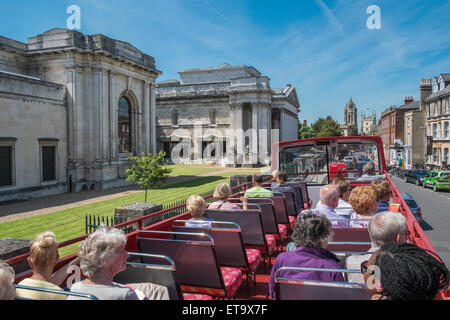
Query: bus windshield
320, 164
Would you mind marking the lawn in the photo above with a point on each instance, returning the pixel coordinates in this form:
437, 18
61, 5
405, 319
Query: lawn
70, 223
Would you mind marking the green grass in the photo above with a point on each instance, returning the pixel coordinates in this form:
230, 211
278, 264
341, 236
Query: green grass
70, 223
191, 169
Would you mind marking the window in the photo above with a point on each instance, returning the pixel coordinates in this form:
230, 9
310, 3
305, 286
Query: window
212, 116
446, 132
124, 125
446, 155
447, 106
174, 117
5, 166
429, 130
429, 111
48, 163
435, 109
435, 130
434, 155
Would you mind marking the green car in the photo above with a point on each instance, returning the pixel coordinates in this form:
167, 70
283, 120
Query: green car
438, 180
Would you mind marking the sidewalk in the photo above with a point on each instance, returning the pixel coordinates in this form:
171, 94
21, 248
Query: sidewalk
33, 207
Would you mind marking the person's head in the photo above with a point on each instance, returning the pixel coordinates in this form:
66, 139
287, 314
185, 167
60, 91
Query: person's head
43, 253
383, 190
364, 200
103, 253
274, 174
387, 227
312, 230
369, 169
196, 205
405, 272
281, 177
223, 191
344, 188
7, 274
329, 195
258, 179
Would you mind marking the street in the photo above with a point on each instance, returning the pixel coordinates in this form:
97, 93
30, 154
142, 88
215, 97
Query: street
435, 212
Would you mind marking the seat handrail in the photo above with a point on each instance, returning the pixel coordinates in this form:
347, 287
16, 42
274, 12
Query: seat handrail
180, 233
172, 263
67, 293
351, 220
214, 222
350, 252
350, 242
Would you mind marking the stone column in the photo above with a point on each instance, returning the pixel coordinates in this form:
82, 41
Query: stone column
146, 118
153, 117
101, 115
113, 117
231, 143
253, 157
239, 133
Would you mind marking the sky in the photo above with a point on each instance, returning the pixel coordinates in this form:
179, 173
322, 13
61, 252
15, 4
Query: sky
322, 47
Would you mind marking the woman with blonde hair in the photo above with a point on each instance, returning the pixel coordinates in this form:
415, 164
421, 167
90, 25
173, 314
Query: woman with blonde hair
7, 291
222, 193
364, 201
196, 206
42, 260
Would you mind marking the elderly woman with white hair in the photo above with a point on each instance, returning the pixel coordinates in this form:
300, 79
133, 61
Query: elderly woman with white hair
102, 256
222, 193
7, 274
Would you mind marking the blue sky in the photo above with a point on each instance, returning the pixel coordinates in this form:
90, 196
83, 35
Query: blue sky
322, 47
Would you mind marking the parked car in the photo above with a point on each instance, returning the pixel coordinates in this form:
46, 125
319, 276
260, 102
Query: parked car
438, 180
415, 176
413, 206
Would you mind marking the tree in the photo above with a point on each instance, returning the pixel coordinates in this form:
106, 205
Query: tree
327, 127
149, 171
305, 132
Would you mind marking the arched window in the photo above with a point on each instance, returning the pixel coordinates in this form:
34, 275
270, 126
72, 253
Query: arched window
124, 125
175, 117
212, 116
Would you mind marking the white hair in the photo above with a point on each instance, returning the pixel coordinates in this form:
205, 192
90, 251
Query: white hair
328, 193
7, 274
97, 250
385, 226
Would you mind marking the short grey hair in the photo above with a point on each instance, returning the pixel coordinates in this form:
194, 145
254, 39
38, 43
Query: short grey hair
369, 169
99, 248
7, 274
311, 230
223, 191
385, 226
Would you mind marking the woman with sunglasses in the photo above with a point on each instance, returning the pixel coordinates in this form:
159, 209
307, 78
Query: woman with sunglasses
402, 271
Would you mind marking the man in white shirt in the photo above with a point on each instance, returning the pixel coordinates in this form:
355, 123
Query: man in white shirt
344, 208
329, 200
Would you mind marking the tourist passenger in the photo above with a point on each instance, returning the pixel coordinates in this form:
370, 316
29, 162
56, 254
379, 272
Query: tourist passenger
311, 235
102, 256
280, 185
7, 274
222, 193
402, 271
196, 205
369, 173
385, 227
329, 200
384, 192
274, 177
344, 208
364, 201
258, 191
42, 260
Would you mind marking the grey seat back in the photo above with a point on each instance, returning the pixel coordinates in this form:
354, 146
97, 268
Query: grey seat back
229, 246
268, 215
158, 269
195, 259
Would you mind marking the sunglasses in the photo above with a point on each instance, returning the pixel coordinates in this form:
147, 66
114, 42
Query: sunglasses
364, 268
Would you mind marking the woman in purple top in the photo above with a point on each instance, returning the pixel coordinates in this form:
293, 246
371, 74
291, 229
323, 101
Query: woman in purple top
311, 235
222, 193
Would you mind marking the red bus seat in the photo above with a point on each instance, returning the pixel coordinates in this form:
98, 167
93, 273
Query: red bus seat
349, 246
196, 261
229, 246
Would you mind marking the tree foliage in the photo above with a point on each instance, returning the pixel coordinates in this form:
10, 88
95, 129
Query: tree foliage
149, 171
327, 127
305, 132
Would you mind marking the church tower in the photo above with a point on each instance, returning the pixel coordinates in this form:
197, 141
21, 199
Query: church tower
350, 126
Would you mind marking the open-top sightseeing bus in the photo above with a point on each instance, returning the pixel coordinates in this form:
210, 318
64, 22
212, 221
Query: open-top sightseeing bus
233, 258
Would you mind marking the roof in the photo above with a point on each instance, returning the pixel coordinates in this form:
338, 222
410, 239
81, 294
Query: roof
438, 94
410, 106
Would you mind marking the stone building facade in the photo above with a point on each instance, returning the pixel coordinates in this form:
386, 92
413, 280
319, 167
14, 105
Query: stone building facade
438, 120
72, 106
350, 126
224, 115
368, 124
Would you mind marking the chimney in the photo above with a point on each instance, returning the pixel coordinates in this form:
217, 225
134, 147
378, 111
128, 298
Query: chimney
425, 91
408, 100
305, 123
